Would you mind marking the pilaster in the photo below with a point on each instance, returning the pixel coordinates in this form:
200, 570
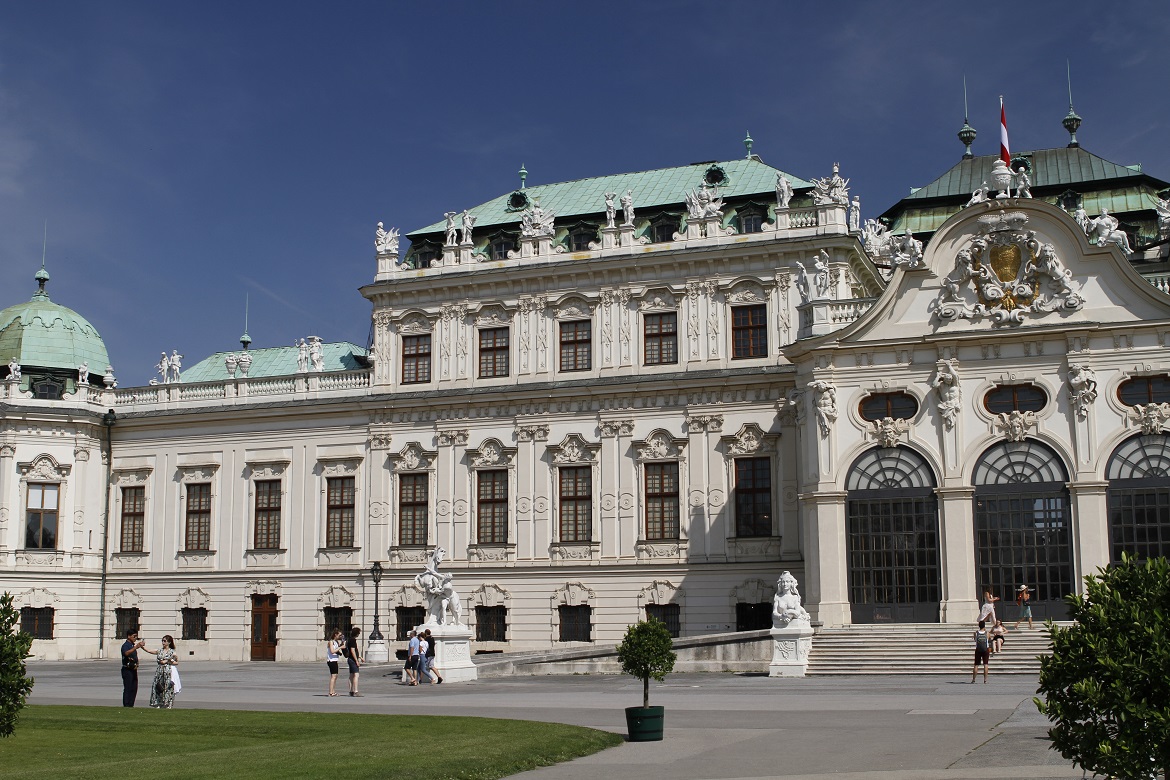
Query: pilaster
826, 581
956, 521
1090, 507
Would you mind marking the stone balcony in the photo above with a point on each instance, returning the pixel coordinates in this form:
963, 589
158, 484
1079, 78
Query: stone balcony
819, 317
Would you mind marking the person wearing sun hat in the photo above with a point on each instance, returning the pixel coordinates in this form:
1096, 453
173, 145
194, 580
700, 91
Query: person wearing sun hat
1023, 596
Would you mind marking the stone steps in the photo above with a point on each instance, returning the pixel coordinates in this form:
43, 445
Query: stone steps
914, 649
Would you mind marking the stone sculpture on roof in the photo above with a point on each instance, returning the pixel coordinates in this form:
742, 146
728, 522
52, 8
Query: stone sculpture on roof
627, 202
1023, 184
831, 190
468, 224
1163, 211
302, 355
610, 210
704, 202
783, 191
451, 231
907, 252
245, 362
13, 370
230, 362
386, 241
164, 369
981, 195
176, 365
83, 373
315, 356
1104, 231
855, 215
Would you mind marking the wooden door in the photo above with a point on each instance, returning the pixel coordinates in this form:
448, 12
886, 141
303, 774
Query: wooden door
264, 621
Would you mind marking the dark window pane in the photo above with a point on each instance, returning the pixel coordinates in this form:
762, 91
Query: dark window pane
753, 617
879, 406
198, 531
576, 503
408, 618
576, 623
126, 619
662, 510
413, 503
668, 614
753, 497
1011, 398
1143, 390
340, 618
416, 359
749, 331
37, 622
660, 338
576, 342
267, 514
491, 624
492, 506
194, 623
340, 493
493, 352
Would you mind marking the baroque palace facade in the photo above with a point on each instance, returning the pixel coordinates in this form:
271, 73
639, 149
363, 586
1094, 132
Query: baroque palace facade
645, 393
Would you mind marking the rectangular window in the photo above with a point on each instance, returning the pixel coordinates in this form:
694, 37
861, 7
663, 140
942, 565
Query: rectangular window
753, 497
492, 506
749, 331
413, 500
753, 617
267, 514
491, 624
493, 352
126, 619
37, 622
195, 623
41, 530
133, 518
576, 623
408, 618
660, 338
198, 534
576, 504
576, 340
340, 618
416, 359
661, 501
339, 516
668, 614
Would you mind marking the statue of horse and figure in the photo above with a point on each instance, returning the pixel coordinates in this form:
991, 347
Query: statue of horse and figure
440, 593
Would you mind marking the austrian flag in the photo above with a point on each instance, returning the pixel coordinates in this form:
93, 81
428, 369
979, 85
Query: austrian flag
1004, 150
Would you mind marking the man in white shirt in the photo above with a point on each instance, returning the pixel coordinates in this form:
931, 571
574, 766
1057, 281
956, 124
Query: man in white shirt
412, 656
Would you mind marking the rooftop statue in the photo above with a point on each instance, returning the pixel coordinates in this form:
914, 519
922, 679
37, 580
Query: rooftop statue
855, 215
315, 356
1104, 230
245, 362
164, 369
908, 252
176, 364
537, 223
1163, 209
230, 362
704, 202
627, 202
981, 194
468, 223
783, 191
386, 241
83, 373
13, 370
831, 190
450, 215
786, 606
302, 355
610, 210
439, 592
1023, 184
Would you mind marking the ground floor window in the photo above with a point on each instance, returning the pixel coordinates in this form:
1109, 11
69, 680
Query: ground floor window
408, 618
195, 623
491, 624
668, 614
126, 619
576, 623
340, 618
37, 622
753, 617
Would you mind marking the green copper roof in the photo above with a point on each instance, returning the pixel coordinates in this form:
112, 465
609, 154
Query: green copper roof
652, 189
276, 361
44, 334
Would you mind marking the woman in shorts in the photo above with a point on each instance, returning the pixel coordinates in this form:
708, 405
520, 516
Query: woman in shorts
333, 650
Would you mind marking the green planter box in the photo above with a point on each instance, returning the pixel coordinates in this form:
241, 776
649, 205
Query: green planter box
644, 723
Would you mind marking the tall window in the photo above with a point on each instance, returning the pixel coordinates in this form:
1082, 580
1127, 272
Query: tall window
661, 501
576, 623
753, 496
340, 618
493, 352
198, 532
749, 331
194, 623
1139, 497
492, 506
133, 518
668, 614
41, 530
126, 619
751, 222
408, 618
339, 515
576, 338
413, 501
416, 359
576, 504
660, 338
491, 624
37, 622
267, 514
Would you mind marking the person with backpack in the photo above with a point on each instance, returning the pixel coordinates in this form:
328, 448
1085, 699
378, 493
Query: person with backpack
982, 650
432, 670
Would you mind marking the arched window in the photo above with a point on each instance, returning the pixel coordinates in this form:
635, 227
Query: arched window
1023, 526
1142, 390
1015, 398
1139, 497
891, 540
879, 406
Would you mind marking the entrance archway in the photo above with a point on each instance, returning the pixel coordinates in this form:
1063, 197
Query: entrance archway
891, 538
1139, 497
1023, 526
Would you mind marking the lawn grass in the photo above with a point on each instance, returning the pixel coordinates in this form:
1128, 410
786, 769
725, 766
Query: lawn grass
100, 742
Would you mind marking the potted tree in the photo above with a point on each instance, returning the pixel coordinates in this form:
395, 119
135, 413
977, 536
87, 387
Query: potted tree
646, 652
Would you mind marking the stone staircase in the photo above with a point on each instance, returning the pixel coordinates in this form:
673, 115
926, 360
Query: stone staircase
919, 648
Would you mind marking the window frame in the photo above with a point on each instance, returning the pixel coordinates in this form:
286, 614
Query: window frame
41, 512
887, 398
193, 624
1015, 388
337, 617
753, 527
197, 520
405, 621
659, 337
122, 616
749, 340
271, 514
413, 506
1151, 396
493, 505
662, 500
570, 630
573, 503
416, 362
340, 517
673, 617
132, 515
487, 620
33, 620
575, 344
494, 352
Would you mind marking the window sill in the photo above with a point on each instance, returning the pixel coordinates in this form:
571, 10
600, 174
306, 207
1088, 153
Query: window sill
753, 548
494, 554
338, 556
38, 557
661, 550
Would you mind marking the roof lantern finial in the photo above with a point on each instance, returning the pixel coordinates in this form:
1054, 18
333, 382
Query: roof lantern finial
245, 340
966, 132
523, 176
747, 142
1071, 122
42, 275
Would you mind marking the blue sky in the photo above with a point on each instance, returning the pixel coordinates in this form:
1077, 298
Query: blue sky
188, 154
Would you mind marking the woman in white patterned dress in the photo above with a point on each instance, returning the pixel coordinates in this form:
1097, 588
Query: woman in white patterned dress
162, 691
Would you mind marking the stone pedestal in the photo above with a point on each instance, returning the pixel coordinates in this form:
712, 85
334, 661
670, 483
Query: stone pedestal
387, 265
450, 255
626, 235
782, 219
377, 652
790, 648
452, 652
465, 253
609, 237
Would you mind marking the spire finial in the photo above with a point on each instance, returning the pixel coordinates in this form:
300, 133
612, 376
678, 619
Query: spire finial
245, 340
42, 275
747, 142
966, 132
1071, 122
523, 176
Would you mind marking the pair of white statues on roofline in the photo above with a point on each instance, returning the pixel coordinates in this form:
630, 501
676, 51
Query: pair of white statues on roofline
309, 353
169, 369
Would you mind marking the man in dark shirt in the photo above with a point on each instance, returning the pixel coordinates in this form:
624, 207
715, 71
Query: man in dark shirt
130, 667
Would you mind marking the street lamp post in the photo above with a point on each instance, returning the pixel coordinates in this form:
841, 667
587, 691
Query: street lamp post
376, 575
377, 651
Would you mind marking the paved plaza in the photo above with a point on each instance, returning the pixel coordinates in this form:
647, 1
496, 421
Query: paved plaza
718, 725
